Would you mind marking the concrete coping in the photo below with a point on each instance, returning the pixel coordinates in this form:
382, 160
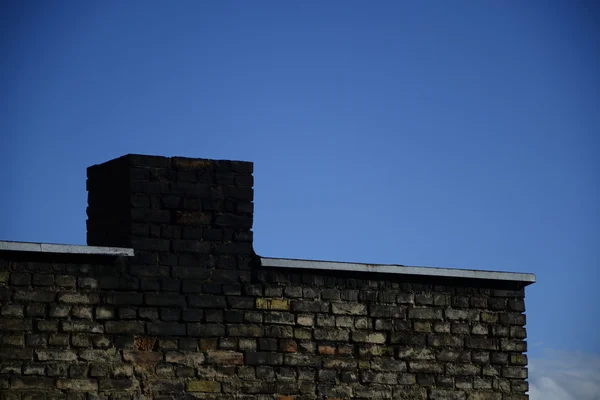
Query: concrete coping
64, 249
399, 269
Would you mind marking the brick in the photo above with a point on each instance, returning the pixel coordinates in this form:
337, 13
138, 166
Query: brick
481, 343
43, 280
12, 310
188, 358
514, 372
513, 345
35, 296
164, 299
7, 324
335, 335
28, 383
65, 281
224, 357
435, 340
416, 353
36, 310
387, 364
385, 311
512, 319
47, 326
463, 369
82, 312
166, 329
82, 326
58, 339
241, 302
205, 330
349, 308
272, 304
282, 318
20, 279
78, 298
263, 358
80, 385
16, 340
302, 360
368, 337
142, 357
246, 330
447, 395
426, 367
204, 386
110, 385
207, 301
55, 355
105, 312
124, 298
124, 327
425, 313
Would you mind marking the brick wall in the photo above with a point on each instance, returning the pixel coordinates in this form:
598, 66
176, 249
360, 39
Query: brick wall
195, 315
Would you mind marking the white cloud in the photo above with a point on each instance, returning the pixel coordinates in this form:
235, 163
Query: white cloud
561, 375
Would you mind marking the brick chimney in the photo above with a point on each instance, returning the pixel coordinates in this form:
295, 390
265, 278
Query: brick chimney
174, 211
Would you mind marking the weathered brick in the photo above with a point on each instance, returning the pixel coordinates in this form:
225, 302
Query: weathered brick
8, 324
514, 372
368, 337
481, 343
55, 355
28, 383
78, 298
124, 327
36, 310
79, 385
302, 360
309, 306
189, 358
335, 335
207, 301
513, 345
441, 340
349, 308
386, 311
263, 358
224, 357
20, 279
205, 330
204, 386
35, 296
463, 369
426, 367
166, 329
513, 319
416, 353
248, 330
82, 326
425, 313
447, 395
272, 304
12, 310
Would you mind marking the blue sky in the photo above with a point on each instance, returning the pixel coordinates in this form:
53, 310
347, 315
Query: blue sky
455, 134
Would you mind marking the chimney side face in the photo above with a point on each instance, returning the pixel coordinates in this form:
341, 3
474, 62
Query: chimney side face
173, 211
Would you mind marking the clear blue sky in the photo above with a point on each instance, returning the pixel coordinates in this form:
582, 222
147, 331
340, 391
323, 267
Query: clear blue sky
455, 134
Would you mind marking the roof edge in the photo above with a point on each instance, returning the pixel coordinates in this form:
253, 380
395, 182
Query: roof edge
526, 278
64, 249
